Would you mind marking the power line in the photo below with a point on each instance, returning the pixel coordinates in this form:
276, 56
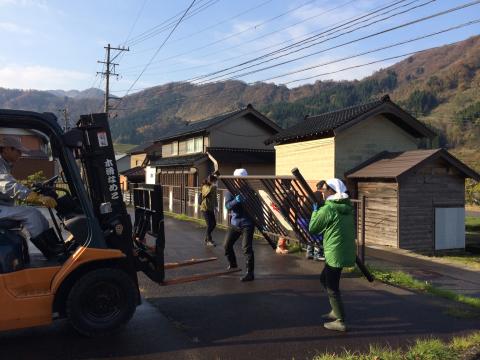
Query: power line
347, 43
242, 31
356, 19
406, 24
171, 22
375, 50
158, 50
323, 41
131, 29
331, 30
255, 39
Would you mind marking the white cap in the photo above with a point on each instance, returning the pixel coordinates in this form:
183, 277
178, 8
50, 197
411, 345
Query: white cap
240, 172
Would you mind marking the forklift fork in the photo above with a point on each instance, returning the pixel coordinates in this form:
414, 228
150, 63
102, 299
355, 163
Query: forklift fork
148, 200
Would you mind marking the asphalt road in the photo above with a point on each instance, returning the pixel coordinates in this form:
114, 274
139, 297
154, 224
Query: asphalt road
275, 317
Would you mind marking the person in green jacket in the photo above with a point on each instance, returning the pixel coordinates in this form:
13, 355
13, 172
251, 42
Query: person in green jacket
208, 206
335, 220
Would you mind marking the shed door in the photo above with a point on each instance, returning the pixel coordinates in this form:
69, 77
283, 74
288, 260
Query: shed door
449, 228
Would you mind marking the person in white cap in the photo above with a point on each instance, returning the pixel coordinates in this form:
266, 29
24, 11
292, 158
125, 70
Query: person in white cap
240, 225
335, 220
10, 190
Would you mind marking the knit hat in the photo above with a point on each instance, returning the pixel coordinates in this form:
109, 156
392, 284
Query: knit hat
240, 172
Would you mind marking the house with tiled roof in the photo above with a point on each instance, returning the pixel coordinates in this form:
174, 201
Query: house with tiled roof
231, 140
411, 196
328, 145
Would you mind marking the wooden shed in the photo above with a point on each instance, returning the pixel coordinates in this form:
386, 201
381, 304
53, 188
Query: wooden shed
414, 200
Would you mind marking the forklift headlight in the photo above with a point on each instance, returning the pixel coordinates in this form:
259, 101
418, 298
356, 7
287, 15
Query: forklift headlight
119, 229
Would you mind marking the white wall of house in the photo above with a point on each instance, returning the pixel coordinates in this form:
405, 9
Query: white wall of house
366, 139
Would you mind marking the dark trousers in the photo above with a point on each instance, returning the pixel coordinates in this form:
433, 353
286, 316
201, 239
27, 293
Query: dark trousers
330, 279
247, 244
209, 217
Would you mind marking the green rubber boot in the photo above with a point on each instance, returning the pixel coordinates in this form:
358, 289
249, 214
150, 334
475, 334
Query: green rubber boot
337, 311
329, 316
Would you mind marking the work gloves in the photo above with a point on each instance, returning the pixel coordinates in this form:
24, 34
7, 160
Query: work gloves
238, 198
38, 199
315, 206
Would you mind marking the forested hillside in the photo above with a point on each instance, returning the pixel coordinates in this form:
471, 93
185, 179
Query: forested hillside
440, 86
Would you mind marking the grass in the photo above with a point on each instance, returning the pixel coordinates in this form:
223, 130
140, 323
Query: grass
469, 260
464, 347
402, 279
472, 224
122, 148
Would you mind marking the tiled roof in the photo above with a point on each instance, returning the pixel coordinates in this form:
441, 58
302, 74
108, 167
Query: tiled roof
135, 171
198, 126
393, 165
140, 148
187, 160
240, 155
324, 124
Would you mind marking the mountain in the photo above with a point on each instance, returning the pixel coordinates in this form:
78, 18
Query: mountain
440, 86
91, 93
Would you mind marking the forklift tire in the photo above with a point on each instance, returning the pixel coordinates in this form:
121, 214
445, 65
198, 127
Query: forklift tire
101, 302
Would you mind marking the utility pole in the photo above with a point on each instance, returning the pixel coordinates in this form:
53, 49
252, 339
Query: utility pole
65, 118
109, 70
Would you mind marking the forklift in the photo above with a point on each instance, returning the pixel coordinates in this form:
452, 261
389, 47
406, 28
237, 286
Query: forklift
92, 281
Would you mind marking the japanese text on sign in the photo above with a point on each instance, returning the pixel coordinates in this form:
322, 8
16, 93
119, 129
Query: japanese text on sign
111, 179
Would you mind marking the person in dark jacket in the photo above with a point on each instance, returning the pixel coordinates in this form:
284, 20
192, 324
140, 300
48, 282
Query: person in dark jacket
208, 206
240, 225
335, 220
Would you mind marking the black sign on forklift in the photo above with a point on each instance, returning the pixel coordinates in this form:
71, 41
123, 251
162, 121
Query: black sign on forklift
280, 206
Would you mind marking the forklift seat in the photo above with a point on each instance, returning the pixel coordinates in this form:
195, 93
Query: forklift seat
8, 224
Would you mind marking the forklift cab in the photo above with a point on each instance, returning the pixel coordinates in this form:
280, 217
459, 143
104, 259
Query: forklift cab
94, 281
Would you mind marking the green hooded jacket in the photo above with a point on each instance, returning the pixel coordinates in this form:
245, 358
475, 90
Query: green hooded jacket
335, 220
209, 198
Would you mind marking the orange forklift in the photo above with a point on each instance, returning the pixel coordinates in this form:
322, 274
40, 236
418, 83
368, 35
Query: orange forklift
92, 281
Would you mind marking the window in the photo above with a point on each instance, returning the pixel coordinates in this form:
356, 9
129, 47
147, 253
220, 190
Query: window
199, 144
190, 146
174, 148
170, 149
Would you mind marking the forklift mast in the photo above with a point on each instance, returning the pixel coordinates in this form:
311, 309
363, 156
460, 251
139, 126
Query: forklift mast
102, 182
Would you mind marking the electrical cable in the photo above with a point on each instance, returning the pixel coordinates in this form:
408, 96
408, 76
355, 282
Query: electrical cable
158, 50
258, 38
168, 23
352, 41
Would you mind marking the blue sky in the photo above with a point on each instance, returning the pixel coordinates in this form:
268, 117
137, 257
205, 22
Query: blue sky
56, 44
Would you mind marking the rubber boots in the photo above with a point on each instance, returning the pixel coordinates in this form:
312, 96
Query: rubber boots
250, 268
49, 244
337, 311
232, 261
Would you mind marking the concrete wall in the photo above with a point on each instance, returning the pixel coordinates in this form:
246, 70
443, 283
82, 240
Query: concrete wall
315, 159
240, 133
366, 139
